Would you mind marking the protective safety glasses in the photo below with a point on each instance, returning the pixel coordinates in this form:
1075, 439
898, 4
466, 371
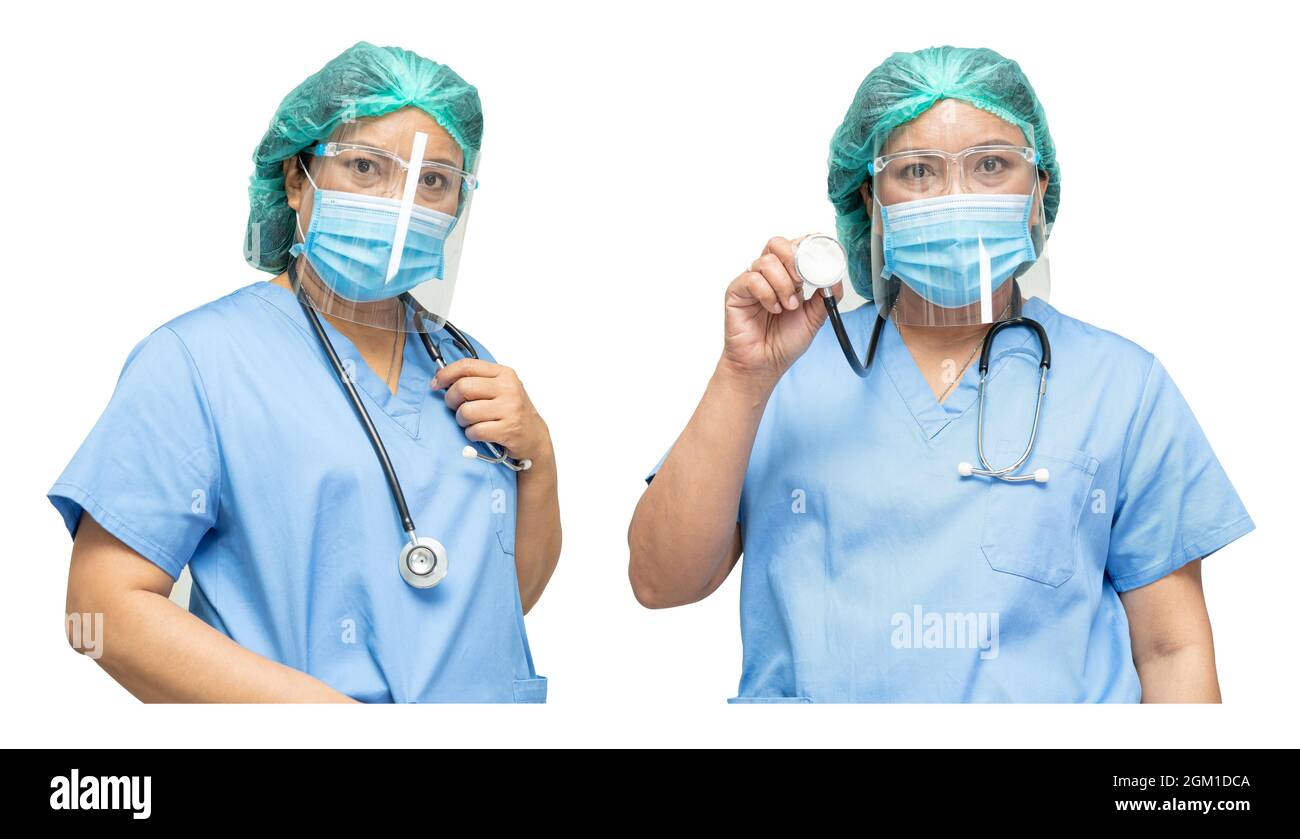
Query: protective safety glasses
350, 167
921, 173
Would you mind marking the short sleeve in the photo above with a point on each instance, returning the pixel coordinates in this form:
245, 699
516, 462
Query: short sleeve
149, 471
1174, 501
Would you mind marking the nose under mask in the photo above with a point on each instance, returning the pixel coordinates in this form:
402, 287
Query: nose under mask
951, 249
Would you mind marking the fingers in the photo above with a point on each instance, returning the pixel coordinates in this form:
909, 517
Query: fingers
479, 398
485, 410
815, 307
471, 388
783, 249
493, 431
769, 280
755, 286
496, 409
779, 273
453, 372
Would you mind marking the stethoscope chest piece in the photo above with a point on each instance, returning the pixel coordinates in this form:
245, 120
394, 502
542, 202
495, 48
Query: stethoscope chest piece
424, 562
820, 261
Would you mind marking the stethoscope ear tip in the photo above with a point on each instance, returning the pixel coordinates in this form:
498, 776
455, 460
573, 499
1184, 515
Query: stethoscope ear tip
965, 469
469, 452
1041, 475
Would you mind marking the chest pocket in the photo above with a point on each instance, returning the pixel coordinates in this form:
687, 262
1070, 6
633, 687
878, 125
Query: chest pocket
1031, 529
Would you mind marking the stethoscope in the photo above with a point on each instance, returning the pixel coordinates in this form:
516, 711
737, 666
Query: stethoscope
820, 261
423, 560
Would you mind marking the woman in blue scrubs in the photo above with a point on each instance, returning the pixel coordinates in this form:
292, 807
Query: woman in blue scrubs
231, 446
875, 570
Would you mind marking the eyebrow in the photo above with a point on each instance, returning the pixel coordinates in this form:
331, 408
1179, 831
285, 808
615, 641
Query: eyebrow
371, 144
998, 141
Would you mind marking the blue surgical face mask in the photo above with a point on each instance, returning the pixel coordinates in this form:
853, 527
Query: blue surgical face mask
937, 245
350, 239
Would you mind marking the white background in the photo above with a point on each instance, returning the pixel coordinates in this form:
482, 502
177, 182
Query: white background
634, 162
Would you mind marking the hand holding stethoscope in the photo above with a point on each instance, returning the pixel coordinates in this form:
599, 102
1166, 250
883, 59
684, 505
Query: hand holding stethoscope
768, 324
490, 403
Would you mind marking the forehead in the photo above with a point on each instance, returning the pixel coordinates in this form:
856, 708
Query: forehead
953, 125
395, 131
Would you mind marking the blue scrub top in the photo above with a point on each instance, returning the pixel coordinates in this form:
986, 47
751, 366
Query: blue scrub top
873, 572
229, 444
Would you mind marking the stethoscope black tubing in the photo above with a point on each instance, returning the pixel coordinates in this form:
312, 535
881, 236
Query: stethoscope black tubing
1044, 346
456, 335
376, 443
390, 474
846, 344
851, 356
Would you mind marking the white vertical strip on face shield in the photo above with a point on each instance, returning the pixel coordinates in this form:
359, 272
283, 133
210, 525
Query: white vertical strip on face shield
413, 167
986, 285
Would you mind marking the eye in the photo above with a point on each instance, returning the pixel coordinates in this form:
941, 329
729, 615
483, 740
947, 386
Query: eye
434, 180
363, 166
914, 171
990, 165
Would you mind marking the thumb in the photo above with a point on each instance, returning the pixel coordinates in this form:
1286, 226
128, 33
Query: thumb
815, 310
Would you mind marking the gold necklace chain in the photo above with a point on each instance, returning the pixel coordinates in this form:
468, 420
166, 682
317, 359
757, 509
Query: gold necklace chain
971, 357
960, 373
975, 349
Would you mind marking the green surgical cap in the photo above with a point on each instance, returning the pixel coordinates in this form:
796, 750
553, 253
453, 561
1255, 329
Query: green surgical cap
898, 91
363, 81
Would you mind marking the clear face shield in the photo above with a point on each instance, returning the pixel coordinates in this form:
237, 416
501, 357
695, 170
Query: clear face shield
382, 227
958, 234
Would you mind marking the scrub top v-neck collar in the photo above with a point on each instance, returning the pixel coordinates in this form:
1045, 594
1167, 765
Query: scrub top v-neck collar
932, 416
415, 380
